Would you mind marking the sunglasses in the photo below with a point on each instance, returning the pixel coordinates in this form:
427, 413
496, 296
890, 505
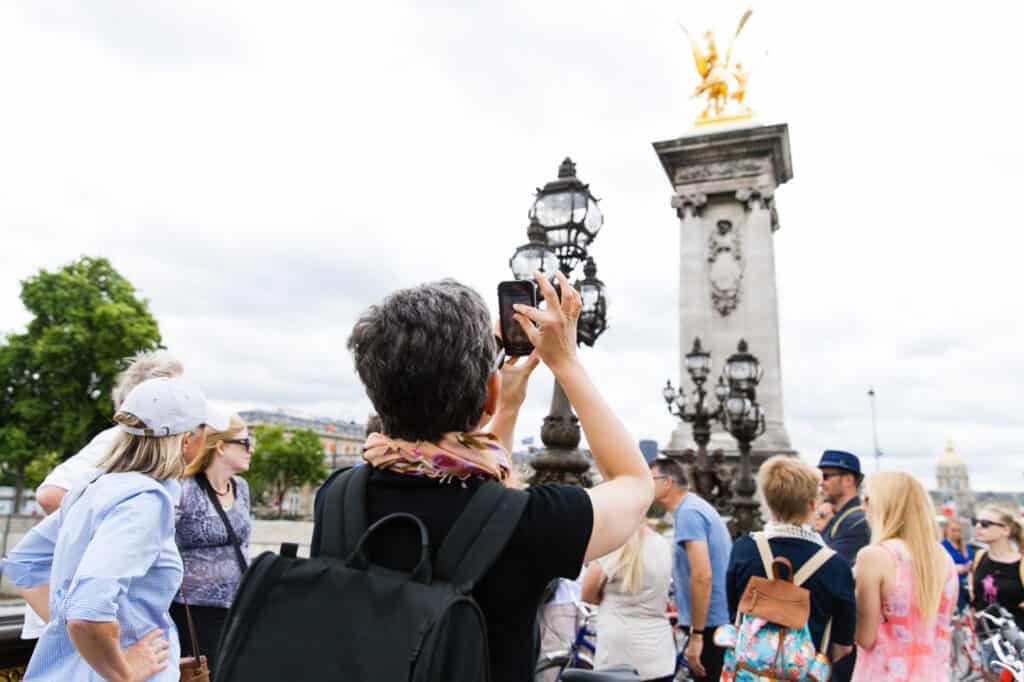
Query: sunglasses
985, 523
825, 477
246, 443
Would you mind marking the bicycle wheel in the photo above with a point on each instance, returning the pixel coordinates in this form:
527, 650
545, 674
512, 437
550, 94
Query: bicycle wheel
549, 668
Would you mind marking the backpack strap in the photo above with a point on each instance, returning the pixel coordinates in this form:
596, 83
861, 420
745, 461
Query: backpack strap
825, 637
978, 556
341, 513
765, 551
479, 535
811, 566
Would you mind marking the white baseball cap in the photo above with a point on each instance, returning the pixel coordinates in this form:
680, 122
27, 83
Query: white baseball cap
169, 406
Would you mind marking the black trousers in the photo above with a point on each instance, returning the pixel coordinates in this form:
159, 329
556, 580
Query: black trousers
711, 657
208, 620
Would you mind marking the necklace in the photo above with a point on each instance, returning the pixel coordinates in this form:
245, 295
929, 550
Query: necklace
219, 493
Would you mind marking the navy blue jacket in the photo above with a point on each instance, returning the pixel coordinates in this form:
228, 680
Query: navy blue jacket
848, 531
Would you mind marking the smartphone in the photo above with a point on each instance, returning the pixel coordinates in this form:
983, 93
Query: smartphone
510, 293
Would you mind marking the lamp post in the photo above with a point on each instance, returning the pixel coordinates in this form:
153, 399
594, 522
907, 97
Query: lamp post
564, 220
695, 410
744, 419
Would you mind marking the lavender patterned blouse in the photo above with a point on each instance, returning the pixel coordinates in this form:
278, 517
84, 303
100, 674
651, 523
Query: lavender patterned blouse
211, 567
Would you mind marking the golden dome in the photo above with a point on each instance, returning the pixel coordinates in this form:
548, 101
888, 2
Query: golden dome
950, 456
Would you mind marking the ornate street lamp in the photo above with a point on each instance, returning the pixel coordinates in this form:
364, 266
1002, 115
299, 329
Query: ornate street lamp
695, 410
564, 220
594, 313
534, 255
745, 420
569, 214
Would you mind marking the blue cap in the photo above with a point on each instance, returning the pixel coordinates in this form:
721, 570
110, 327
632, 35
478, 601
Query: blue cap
837, 459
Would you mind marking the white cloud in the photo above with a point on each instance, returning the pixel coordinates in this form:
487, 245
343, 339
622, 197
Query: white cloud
263, 173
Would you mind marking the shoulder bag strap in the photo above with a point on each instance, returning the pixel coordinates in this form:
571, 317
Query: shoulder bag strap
810, 566
208, 489
765, 550
842, 517
192, 632
480, 534
340, 513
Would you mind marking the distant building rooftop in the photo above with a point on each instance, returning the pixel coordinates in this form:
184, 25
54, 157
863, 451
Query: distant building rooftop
301, 421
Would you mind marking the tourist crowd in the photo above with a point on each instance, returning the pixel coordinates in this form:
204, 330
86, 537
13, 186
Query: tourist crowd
132, 573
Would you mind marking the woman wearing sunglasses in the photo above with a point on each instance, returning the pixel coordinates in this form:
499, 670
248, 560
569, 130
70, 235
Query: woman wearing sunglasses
212, 533
996, 572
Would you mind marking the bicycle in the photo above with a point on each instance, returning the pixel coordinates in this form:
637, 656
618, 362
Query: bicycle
964, 660
579, 655
1001, 644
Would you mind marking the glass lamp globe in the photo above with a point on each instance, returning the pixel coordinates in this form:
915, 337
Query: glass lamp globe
568, 212
698, 362
668, 393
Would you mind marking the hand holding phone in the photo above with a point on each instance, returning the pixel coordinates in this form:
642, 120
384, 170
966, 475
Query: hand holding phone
512, 334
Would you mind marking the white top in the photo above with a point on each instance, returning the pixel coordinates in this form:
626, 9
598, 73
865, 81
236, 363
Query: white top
65, 475
75, 468
633, 629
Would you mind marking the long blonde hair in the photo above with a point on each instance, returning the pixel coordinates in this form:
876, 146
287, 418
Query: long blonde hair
900, 509
630, 565
159, 457
235, 427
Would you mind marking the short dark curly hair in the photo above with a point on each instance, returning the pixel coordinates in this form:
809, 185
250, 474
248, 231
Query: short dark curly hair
424, 355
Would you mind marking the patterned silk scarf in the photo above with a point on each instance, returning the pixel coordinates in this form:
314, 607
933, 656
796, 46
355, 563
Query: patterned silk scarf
456, 456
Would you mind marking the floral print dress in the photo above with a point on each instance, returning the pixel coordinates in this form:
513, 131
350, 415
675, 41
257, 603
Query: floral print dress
908, 648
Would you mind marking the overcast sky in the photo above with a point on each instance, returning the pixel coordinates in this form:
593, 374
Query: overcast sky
264, 171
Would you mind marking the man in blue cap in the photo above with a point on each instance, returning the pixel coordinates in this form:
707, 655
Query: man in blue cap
848, 530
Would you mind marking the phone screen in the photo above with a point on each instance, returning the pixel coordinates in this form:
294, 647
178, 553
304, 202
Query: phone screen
516, 340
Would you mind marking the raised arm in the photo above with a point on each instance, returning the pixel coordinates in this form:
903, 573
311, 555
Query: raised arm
622, 500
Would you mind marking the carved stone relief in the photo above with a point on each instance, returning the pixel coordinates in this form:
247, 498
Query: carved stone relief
725, 271
721, 170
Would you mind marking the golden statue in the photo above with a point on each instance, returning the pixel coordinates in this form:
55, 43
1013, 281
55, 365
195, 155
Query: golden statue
714, 73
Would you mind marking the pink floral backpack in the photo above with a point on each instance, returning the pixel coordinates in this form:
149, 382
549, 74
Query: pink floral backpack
770, 640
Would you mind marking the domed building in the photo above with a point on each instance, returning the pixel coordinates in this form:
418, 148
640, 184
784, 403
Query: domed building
954, 484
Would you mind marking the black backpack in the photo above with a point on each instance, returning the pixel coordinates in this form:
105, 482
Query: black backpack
339, 617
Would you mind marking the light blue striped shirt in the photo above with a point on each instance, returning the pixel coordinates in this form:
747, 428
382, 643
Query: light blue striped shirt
108, 554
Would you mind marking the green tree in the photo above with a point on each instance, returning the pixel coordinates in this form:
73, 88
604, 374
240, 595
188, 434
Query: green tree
57, 375
282, 461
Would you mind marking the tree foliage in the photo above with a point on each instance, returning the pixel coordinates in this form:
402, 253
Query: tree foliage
282, 461
56, 376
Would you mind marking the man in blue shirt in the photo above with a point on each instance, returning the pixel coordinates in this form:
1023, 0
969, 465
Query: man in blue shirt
847, 532
699, 564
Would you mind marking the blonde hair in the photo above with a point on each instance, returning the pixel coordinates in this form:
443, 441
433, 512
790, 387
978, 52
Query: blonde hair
159, 457
149, 364
1011, 521
214, 438
630, 565
900, 509
788, 486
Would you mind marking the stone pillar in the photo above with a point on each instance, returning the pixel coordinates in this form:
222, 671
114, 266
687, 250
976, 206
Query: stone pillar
724, 183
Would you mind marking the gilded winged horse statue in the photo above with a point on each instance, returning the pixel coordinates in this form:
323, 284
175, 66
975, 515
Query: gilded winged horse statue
714, 73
